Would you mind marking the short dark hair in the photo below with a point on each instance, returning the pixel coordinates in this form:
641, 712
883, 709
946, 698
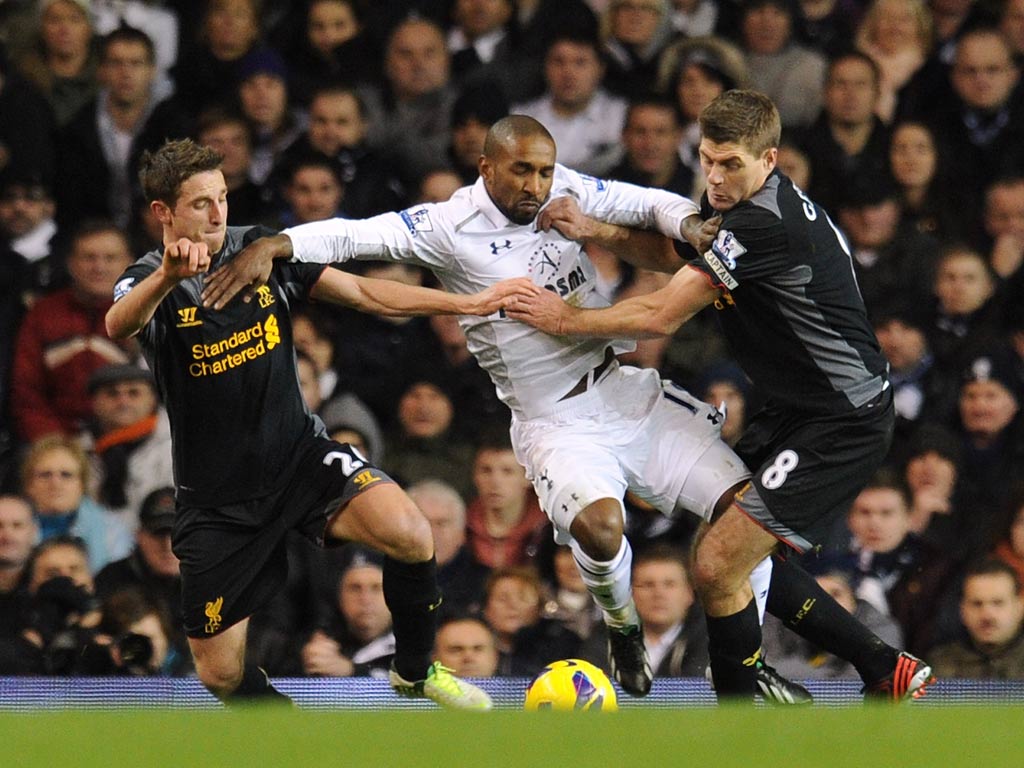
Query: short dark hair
661, 553
163, 172
742, 117
993, 566
126, 34
863, 58
339, 89
215, 117
503, 132
655, 100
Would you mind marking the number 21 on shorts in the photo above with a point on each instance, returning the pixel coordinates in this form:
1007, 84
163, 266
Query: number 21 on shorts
775, 475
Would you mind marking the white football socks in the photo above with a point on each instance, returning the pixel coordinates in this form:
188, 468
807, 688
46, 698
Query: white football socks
760, 578
609, 584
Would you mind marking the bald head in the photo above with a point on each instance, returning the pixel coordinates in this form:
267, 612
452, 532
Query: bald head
518, 167
508, 131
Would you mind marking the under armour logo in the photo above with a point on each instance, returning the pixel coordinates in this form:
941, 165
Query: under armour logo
495, 246
547, 481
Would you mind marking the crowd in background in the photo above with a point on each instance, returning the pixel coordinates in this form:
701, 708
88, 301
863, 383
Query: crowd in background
904, 119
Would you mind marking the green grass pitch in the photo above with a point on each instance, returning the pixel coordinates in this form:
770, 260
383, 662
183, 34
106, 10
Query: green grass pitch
860, 737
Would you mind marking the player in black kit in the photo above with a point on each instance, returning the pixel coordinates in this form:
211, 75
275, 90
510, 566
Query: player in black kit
781, 274
250, 461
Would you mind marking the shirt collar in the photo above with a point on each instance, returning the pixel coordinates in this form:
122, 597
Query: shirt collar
482, 200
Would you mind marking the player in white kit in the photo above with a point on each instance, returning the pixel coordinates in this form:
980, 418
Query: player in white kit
585, 428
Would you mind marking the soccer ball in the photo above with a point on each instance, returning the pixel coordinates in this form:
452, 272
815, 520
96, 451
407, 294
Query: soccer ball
570, 685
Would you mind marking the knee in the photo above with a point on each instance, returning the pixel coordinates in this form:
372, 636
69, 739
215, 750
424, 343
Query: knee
710, 570
221, 677
410, 539
598, 529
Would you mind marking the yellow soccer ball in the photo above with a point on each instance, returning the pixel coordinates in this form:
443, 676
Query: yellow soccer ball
571, 685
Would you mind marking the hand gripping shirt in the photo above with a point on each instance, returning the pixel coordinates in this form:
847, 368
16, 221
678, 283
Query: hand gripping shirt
228, 379
792, 312
469, 245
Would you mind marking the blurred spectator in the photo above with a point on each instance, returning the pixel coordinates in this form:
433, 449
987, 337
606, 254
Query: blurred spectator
309, 384
99, 147
891, 265
28, 229
797, 659
333, 46
504, 521
18, 536
359, 641
635, 33
828, 25
693, 73
61, 61
131, 440
897, 571
992, 613
1004, 226
479, 39
437, 187
63, 338
151, 567
570, 601
847, 141
527, 642
263, 97
473, 113
584, 120
466, 645
651, 138
206, 73
1011, 24
410, 117
897, 35
54, 476
694, 18
422, 445
726, 383
792, 75
313, 191
158, 23
348, 420
793, 162
228, 132
27, 128
917, 169
1010, 547
311, 332
139, 636
459, 575
338, 130
938, 508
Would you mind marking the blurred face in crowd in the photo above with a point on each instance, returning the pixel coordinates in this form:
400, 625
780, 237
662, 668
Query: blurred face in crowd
838, 589
662, 593
330, 23
416, 61
766, 29
519, 175
18, 532
361, 598
155, 547
309, 340
896, 25
96, 261
314, 194
733, 172
1017, 532
963, 283
468, 142
931, 470
511, 604
200, 213
991, 609
65, 30
61, 560
499, 479
477, 18
634, 22
870, 225
1011, 24
425, 411
231, 139
851, 92
903, 345
123, 403
447, 519
264, 99
986, 408
55, 483
128, 71
983, 73
231, 28
795, 164
695, 89
573, 73
651, 137
309, 384
468, 647
879, 519
438, 187
1004, 209
567, 575
23, 207
151, 627
335, 123
912, 155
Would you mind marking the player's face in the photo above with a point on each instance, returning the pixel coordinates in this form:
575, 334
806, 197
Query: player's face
733, 172
518, 178
201, 211
990, 609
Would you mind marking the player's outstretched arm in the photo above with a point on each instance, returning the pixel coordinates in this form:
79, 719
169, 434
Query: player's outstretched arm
247, 271
654, 314
129, 315
393, 299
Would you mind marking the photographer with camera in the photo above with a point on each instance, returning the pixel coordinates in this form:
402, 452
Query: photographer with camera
134, 638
